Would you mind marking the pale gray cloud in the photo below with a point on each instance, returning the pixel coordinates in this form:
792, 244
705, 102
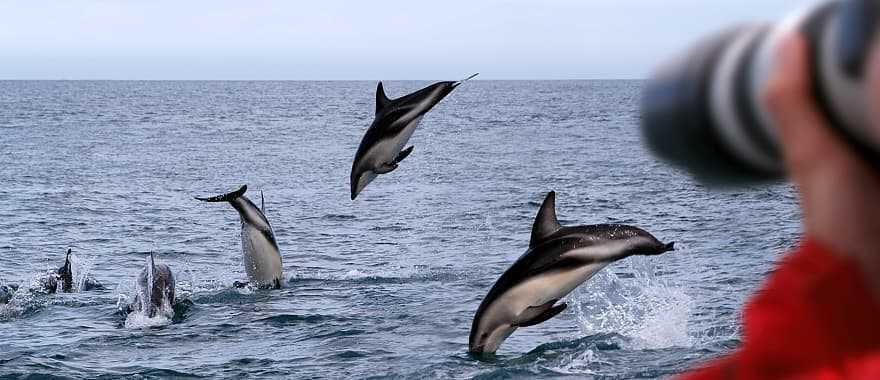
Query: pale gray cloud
336, 39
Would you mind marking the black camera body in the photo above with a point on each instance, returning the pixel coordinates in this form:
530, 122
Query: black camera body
704, 111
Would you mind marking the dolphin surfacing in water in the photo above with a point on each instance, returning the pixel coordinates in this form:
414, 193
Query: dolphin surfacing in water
382, 148
62, 279
558, 260
156, 289
262, 259
65, 274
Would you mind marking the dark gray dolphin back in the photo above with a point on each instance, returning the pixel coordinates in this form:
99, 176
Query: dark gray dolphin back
161, 289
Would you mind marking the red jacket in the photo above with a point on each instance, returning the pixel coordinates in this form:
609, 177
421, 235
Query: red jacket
815, 318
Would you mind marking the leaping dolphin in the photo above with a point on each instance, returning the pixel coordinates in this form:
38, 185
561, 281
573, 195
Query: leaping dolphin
262, 260
558, 260
381, 149
155, 289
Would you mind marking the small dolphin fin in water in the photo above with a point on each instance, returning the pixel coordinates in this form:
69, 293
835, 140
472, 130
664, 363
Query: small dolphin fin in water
546, 223
390, 167
403, 154
65, 274
539, 314
262, 203
225, 197
381, 99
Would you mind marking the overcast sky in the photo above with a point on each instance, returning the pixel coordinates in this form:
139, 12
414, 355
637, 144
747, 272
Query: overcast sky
357, 39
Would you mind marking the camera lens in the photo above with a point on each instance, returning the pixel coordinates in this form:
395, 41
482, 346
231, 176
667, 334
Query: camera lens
693, 110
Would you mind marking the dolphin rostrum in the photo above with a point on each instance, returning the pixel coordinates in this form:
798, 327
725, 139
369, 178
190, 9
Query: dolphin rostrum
558, 260
155, 289
262, 260
381, 149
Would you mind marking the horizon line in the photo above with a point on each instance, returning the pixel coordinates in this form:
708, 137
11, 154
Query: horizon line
302, 80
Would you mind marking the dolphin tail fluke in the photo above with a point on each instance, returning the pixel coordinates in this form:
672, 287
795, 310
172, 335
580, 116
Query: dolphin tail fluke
465, 80
229, 197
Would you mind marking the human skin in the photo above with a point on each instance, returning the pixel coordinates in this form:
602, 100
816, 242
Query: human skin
839, 191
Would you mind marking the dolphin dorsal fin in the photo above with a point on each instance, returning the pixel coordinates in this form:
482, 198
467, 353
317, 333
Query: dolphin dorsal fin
381, 99
262, 203
546, 223
151, 262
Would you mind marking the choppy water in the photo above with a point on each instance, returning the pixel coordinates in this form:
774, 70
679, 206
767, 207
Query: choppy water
385, 286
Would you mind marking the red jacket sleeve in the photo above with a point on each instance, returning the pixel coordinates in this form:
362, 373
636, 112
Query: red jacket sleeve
814, 318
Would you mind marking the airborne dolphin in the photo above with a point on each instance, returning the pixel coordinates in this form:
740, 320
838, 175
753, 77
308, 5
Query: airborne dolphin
558, 260
262, 260
381, 149
155, 289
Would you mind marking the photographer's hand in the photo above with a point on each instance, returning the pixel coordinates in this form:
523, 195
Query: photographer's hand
839, 192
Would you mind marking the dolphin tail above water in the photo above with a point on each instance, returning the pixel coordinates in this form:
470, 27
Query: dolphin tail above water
262, 259
228, 197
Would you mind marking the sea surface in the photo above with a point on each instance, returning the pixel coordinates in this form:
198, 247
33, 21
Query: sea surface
382, 287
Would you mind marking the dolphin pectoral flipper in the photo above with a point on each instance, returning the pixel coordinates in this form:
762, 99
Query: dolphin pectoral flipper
385, 168
539, 314
403, 154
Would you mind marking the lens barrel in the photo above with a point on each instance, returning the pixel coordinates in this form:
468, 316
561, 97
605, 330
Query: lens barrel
703, 111
679, 122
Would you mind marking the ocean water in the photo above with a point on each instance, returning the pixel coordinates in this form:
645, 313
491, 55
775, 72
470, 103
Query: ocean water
382, 287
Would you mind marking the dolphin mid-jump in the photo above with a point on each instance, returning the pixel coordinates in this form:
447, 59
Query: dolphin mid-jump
381, 149
262, 260
558, 260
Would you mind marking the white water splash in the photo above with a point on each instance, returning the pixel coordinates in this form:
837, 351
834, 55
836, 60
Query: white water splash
141, 320
30, 295
651, 313
80, 268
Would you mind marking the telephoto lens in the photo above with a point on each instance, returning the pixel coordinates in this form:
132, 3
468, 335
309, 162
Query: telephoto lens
704, 110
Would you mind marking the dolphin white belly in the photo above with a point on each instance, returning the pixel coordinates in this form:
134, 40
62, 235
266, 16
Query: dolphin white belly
387, 150
546, 287
262, 261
